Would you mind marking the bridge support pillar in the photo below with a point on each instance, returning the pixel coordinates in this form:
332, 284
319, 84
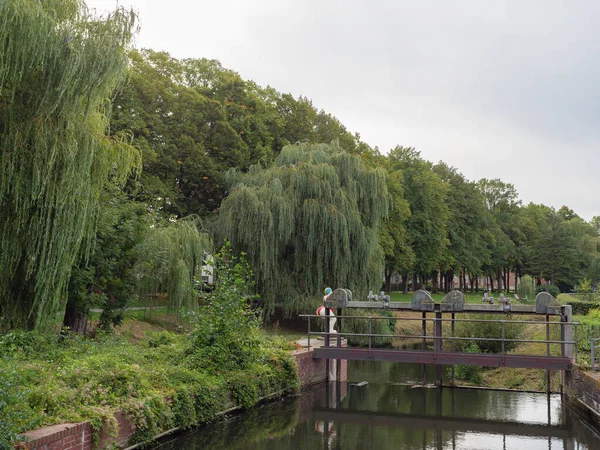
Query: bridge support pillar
437, 346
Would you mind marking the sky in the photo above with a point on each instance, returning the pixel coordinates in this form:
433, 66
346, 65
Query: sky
497, 89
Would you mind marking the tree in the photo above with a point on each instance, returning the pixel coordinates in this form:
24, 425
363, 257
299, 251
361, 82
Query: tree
503, 203
393, 237
186, 141
58, 67
468, 221
426, 195
309, 221
105, 278
170, 259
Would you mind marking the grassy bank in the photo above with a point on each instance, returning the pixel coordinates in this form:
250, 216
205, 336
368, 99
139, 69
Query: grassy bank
152, 374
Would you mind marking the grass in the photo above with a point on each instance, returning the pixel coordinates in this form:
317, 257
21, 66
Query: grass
469, 298
146, 367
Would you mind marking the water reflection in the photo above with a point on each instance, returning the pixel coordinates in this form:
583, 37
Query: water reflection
392, 415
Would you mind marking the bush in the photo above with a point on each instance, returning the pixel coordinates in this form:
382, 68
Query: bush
361, 326
552, 289
226, 330
492, 328
578, 306
469, 373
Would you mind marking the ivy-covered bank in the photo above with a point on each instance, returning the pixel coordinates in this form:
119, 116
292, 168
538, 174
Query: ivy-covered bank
160, 380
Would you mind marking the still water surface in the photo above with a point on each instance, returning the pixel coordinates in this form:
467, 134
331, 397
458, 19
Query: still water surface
389, 412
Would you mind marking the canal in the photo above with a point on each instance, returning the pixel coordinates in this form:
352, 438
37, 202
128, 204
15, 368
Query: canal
385, 406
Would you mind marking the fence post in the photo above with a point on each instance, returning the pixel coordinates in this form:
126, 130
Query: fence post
593, 349
453, 348
503, 346
567, 316
370, 336
437, 346
309, 333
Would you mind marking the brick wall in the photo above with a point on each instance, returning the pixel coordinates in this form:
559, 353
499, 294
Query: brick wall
76, 436
312, 371
582, 391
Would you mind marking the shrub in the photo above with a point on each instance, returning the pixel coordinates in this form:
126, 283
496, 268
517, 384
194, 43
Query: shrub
226, 329
469, 373
552, 289
361, 326
491, 328
578, 306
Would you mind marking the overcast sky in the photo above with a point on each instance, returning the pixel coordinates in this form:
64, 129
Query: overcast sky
497, 89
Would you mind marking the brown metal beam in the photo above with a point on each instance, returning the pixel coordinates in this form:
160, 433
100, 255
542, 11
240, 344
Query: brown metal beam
445, 358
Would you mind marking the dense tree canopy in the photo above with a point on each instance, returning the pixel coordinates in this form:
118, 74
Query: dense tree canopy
310, 220
58, 66
308, 201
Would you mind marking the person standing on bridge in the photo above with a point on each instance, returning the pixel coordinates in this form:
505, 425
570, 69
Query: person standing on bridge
321, 311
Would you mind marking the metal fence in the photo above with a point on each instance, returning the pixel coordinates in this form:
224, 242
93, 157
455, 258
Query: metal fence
438, 338
594, 345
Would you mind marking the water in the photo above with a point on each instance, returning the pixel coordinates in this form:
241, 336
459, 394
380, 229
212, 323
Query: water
390, 412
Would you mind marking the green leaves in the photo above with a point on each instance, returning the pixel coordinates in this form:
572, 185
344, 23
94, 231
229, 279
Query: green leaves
58, 66
310, 220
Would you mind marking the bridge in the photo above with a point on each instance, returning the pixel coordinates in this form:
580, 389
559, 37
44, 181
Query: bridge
444, 349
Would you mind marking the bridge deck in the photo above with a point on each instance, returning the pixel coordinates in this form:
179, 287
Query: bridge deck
444, 358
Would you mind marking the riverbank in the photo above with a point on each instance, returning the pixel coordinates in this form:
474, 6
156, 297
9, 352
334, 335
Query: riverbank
154, 379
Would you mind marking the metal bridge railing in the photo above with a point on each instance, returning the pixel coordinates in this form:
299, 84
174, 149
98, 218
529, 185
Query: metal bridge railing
440, 338
594, 345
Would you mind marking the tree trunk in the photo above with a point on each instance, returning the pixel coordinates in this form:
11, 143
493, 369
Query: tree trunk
434, 282
75, 320
491, 283
405, 283
388, 280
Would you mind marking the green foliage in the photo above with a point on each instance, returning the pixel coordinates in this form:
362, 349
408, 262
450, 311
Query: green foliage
589, 328
169, 259
226, 331
158, 383
584, 290
309, 221
550, 288
58, 67
387, 325
491, 328
105, 277
526, 288
426, 194
469, 373
578, 306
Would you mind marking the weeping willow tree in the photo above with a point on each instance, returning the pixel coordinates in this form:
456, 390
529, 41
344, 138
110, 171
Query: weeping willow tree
171, 259
309, 221
58, 67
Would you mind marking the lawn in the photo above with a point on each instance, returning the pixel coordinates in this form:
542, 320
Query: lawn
469, 298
